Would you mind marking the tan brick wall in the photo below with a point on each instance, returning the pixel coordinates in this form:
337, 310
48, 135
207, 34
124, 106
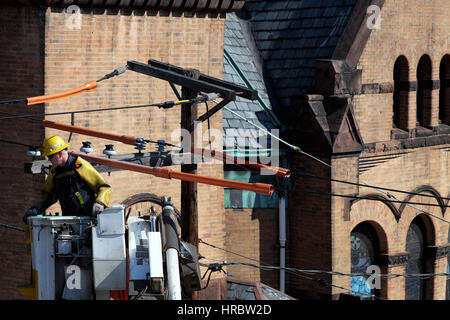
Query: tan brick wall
419, 167
253, 233
411, 28
72, 57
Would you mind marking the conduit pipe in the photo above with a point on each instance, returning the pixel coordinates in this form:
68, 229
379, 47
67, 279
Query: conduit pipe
261, 188
131, 140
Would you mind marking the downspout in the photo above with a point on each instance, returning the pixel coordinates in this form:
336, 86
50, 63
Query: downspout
282, 239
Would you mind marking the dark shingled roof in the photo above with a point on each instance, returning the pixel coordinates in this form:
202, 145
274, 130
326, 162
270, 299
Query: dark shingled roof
292, 35
163, 6
238, 59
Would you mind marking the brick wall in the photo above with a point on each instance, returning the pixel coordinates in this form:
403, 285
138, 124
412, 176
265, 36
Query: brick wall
21, 75
61, 58
320, 226
412, 29
253, 233
310, 228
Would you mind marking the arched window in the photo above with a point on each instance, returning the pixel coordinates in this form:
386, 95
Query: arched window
364, 246
424, 88
401, 94
415, 243
444, 92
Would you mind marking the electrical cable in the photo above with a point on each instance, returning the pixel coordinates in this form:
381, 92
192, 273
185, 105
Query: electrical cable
314, 271
164, 105
16, 115
377, 199
7, 226
368, 197
90, 86
367, 186
18, 143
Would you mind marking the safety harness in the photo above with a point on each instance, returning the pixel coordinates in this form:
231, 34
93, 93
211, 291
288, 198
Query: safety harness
75, 178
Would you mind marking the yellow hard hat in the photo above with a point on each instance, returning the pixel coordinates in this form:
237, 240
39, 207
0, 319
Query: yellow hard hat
53, 144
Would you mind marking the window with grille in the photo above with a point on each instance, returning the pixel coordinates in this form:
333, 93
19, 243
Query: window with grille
414, 286
364, 245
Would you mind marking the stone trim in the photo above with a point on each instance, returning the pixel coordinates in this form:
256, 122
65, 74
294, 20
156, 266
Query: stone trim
437, 252
440, 137
393, 260
388, 87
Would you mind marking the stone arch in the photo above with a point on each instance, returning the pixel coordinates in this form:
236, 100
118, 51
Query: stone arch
421, 189
382, 215
424, 89
400, 112
373, 196
407, 217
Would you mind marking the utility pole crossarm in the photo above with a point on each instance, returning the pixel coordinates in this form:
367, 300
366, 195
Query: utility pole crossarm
241, 91
204, 83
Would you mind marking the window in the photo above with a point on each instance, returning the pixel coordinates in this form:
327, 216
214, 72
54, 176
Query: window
364, 245
401, 93
414, 287
444, 92
424, 87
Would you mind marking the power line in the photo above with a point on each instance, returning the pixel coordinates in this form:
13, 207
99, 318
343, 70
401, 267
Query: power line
314, 271
78, 111
376, 199
16, 115
7, 226
422, 276
367, 186
18, 143
368, 197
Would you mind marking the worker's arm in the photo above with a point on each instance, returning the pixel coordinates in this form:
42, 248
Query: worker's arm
95, 181
47, 196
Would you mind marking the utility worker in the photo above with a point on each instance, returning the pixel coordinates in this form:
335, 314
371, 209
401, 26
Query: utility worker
80, 189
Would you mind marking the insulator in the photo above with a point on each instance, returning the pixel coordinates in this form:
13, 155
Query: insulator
86, 148
109, 150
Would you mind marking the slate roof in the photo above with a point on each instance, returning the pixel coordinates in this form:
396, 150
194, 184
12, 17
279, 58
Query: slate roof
176, 6
292, 35
239, 57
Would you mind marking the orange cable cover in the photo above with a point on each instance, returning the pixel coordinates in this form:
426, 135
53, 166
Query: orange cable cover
262, 188
131, 140
90, 86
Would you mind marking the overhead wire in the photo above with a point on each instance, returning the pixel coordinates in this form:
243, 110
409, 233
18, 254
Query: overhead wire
374, 199
335, 273
368, 186
298, 150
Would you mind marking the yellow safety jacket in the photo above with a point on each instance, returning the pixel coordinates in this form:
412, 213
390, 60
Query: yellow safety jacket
77, 186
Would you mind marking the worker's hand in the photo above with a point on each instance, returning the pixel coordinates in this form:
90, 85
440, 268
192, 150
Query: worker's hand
97, 208
30, 212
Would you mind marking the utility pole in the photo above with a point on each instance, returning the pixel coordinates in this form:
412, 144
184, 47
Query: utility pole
189, 194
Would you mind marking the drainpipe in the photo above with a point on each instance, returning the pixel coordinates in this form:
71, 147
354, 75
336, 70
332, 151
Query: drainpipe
282, 236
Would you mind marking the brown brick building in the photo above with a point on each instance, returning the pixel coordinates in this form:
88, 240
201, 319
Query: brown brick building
370, 100
363, 86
